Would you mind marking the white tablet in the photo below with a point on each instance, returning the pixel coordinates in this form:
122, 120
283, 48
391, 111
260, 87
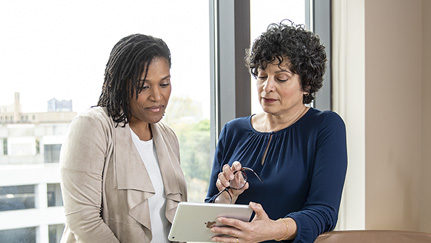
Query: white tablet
193, 221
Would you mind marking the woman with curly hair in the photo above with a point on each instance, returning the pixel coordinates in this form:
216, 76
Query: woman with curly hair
121, 178
292, 158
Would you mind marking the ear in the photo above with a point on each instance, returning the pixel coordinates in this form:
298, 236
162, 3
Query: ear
306, 89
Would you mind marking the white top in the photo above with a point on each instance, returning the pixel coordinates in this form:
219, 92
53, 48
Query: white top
160, 225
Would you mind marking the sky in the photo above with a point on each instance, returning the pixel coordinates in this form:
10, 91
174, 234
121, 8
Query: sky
59, 48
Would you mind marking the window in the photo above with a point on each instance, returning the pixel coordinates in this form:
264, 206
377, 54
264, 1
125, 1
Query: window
52, 153
55, 198
5, 146
55, 232
65, 59
20, 235
17, 197
37, 143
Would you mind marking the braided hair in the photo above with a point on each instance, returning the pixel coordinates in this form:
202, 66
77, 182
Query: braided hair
302, 48
129, 58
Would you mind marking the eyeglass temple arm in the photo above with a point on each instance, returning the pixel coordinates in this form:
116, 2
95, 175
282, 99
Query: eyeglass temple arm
249, 169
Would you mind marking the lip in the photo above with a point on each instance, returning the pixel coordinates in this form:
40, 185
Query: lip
155, 109
268, 100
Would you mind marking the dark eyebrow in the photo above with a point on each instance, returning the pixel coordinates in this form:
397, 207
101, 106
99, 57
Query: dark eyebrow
164, 78
278, 71
284, 70
167, 77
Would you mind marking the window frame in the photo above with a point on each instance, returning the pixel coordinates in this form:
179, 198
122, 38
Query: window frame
230, 80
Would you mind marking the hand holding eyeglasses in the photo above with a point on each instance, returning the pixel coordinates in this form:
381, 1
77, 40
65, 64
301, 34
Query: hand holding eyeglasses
261, 228
232, 182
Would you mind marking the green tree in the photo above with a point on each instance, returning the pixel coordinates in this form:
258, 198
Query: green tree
184, 116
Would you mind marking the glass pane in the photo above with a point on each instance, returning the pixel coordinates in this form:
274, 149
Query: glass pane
55, 198
17, 197
21, 235
52, 153
52, 62
55, 233
293, 10
4, 151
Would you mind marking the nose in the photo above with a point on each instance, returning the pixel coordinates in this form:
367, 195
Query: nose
268, 85
155, 94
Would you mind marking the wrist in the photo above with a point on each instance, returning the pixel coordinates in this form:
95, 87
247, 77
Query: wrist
283, 231
223, 198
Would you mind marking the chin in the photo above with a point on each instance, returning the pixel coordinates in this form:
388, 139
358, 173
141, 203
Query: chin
267, 109
156, 119
271, 111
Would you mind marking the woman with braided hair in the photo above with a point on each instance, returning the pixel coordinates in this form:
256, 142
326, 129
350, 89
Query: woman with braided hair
121, 178
292, 158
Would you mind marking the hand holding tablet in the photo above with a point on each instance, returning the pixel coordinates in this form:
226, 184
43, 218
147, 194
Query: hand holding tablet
193, 221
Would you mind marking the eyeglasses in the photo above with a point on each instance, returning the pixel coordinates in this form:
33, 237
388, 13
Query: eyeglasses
237, 183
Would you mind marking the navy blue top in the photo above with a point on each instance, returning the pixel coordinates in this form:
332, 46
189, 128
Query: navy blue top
303, 172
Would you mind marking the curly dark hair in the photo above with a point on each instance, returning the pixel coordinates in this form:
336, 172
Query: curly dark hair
129, 58
302, 48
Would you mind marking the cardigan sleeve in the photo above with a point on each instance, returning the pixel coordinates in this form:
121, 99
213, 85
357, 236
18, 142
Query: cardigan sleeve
320, 212
82, 162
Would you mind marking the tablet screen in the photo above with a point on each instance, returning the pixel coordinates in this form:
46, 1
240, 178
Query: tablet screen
193, 221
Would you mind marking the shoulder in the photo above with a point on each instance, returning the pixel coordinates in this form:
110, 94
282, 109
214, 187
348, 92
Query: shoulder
238, 125
91, 120
240, 122
235, 128
94, 113
325, 125
326, 117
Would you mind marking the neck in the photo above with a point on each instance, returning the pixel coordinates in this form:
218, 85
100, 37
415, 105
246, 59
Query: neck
277, 122
142, 130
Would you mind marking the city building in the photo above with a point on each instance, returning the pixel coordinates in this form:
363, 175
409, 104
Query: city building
31, 207
55, 105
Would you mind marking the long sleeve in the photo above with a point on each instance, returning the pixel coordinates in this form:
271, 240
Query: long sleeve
82, 163
320, 211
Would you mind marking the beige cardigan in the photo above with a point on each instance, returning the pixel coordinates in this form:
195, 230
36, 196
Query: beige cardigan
106, 186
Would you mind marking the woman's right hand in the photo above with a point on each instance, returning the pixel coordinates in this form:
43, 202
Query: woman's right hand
228, 178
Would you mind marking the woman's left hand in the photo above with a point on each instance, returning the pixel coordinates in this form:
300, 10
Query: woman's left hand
261, 228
